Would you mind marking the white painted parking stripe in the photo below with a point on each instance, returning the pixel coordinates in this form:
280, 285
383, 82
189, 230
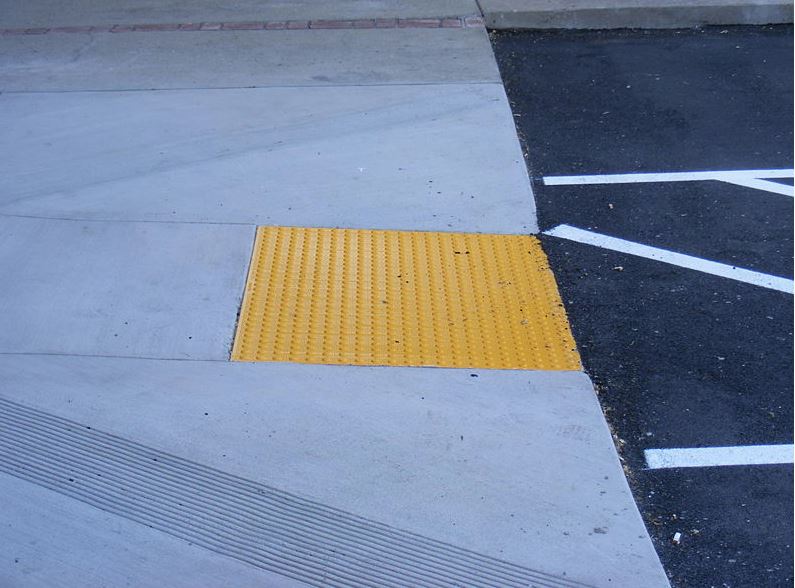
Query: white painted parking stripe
679, 259
642, 178
765, 185
699, 457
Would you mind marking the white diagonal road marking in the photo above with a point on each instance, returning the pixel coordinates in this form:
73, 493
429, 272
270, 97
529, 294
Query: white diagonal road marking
665, 256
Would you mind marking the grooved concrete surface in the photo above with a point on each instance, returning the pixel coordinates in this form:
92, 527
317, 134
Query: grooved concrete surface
365, 157
514, 465
52, 536
48, 13
236, 517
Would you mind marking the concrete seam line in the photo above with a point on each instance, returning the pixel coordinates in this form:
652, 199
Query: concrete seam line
455, 22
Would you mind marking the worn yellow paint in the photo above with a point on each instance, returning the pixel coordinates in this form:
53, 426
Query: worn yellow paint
400, 298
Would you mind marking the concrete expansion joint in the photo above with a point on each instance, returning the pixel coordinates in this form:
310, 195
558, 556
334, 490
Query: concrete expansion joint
446, 22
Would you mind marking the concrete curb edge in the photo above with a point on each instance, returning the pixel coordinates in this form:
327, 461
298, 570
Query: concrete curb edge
565, 14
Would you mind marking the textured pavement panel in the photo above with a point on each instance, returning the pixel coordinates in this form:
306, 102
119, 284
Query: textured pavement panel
402, 298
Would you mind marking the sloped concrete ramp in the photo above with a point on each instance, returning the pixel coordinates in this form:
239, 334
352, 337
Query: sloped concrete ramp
513, 466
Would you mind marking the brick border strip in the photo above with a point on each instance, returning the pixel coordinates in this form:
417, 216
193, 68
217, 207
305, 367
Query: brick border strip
450, 22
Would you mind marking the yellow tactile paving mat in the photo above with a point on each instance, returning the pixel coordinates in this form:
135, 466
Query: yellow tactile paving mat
400, 298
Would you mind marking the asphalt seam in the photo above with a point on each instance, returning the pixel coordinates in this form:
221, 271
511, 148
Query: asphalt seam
445, 22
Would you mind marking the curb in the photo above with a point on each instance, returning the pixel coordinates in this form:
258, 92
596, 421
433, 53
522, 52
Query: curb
645, 14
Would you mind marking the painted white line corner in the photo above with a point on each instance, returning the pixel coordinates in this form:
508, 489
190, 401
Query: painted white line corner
700, 457
679, 259
765, 185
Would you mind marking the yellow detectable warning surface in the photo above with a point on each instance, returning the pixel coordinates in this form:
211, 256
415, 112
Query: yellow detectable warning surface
400, 298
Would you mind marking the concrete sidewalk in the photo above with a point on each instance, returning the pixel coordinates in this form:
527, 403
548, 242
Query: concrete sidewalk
50, 13
136, 166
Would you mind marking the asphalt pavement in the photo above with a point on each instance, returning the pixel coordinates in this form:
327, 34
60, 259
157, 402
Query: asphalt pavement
681, 358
